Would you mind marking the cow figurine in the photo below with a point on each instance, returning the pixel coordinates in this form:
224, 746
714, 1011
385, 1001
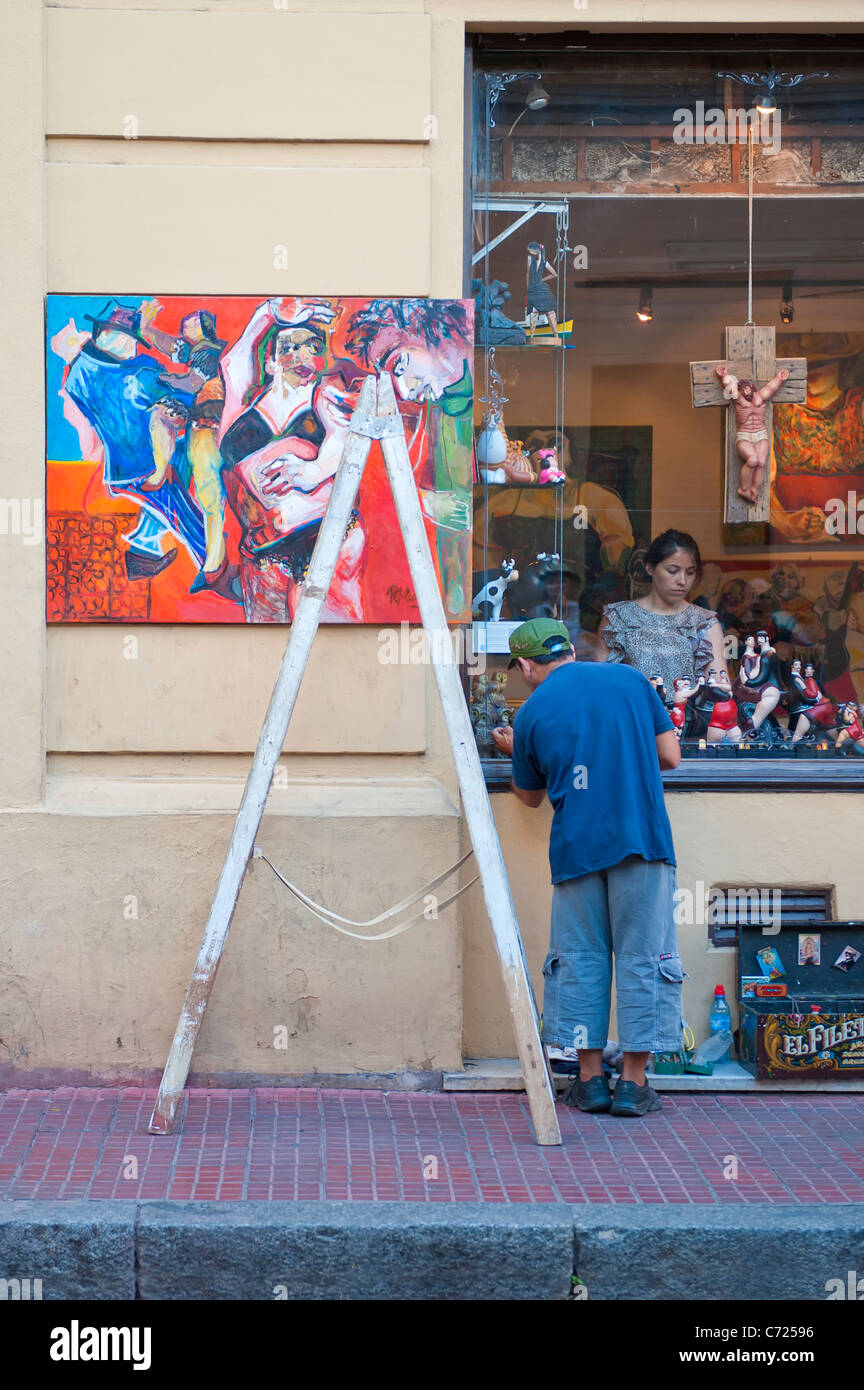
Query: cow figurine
489, 599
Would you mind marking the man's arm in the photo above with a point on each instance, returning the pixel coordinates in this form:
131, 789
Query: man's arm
503, 739
528, 798
668, 750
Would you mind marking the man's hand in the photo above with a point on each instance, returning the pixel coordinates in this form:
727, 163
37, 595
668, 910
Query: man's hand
503, 740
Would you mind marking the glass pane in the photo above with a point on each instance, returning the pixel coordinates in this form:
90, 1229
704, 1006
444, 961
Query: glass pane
611, 253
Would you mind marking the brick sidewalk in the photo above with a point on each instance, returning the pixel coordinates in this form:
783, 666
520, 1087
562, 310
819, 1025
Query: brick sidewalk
351, 1145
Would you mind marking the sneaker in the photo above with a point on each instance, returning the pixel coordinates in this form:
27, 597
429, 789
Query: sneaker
632, 1100
594, 1095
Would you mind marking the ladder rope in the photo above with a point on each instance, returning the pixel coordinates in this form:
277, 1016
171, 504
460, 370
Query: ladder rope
332, 919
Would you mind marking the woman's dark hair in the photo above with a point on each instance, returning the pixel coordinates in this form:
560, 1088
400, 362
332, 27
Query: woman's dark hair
666, 544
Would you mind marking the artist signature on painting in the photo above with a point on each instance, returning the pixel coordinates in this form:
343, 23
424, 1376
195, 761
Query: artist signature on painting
400, 593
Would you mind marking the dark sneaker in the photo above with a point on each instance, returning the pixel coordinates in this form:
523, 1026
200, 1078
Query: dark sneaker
593, 1096
632, 1100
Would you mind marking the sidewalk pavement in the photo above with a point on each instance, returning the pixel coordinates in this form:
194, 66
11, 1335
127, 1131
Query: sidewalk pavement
683, 1203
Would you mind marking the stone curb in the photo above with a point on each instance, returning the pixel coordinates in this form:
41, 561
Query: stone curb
78, 1249
750, 1252
450, 1251
353, 1250
289, 1250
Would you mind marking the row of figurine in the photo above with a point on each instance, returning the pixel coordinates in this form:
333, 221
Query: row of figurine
716, 710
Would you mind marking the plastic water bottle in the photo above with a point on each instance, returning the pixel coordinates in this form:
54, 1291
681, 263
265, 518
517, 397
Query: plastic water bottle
720, 1022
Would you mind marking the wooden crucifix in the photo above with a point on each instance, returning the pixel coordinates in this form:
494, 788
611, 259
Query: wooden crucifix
750, 379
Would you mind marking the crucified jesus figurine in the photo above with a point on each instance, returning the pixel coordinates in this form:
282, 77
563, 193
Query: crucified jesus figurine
751, 436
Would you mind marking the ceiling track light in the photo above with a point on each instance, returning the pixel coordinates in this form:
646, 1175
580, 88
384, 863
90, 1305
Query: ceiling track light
645, 312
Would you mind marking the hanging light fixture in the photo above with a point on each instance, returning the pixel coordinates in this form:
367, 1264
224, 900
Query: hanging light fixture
787, 308
537, 97
645, 312
765, 104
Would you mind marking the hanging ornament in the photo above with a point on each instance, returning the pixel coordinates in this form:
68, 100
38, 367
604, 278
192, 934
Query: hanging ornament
491, 446
490, 449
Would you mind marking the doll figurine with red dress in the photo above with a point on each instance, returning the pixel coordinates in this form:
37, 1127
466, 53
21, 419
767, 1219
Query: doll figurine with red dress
758, 681
851, 732
681, 692
722, 709
808, 707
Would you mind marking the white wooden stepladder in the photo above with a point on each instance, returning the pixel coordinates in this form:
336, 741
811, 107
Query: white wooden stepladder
373, 419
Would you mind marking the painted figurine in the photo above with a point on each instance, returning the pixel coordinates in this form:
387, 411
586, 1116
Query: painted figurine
545, 464
517, 465
851, 731
751, 435
490, 449
489, 709
808, 707
721, 708
539, 298
682, 689
758, 680
498, 698
492, 327
489, 598
659, 686
482, 729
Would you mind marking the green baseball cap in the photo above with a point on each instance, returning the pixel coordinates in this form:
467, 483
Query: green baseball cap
539, 637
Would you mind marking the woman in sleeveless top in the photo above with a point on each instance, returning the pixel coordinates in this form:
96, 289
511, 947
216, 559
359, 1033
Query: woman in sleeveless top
662, 633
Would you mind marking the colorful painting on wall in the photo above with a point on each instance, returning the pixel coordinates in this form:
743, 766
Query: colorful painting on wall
192, 445
818, 455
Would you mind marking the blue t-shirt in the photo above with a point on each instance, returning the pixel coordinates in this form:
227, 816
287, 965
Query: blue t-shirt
587, 735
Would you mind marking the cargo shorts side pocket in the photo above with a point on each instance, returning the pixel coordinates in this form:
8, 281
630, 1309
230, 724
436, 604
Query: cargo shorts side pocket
551, 997
669, 1016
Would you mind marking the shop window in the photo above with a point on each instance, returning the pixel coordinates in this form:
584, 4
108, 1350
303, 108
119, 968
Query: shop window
609, 253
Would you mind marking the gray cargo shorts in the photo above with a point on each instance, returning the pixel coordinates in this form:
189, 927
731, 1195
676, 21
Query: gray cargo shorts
627, 910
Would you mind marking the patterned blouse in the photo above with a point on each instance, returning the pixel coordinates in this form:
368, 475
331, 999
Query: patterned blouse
667, 644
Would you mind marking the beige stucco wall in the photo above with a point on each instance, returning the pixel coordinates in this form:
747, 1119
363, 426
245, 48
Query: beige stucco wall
261, 125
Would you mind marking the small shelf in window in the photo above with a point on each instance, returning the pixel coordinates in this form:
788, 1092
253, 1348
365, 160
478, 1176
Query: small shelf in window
743, 774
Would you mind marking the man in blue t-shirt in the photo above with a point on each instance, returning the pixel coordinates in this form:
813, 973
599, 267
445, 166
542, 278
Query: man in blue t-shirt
594, 737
